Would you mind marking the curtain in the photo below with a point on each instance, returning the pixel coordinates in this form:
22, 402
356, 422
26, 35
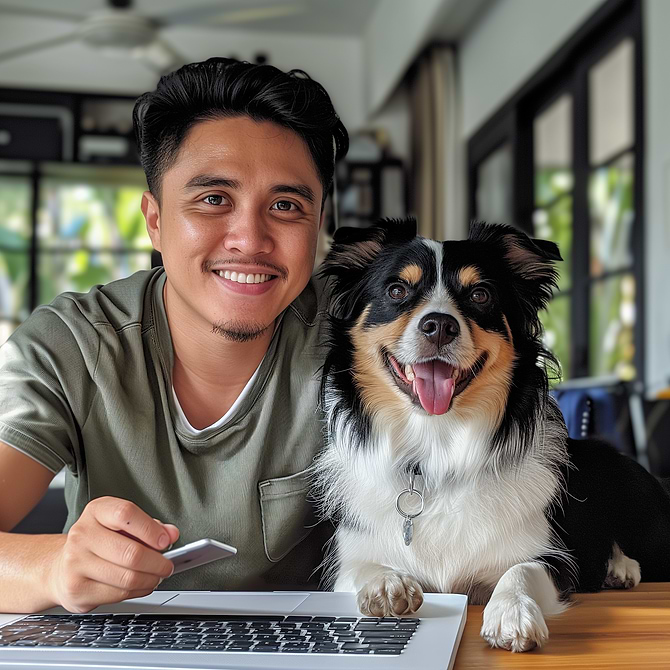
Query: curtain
438, 165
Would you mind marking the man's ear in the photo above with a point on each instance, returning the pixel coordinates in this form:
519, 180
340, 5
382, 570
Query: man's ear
152, 216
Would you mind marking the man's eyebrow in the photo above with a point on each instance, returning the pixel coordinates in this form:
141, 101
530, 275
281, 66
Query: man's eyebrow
302, 190
208, 180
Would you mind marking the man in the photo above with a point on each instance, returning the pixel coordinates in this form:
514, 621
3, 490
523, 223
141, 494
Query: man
183, 402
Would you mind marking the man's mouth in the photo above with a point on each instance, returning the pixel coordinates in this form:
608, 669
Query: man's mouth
435, 383
244, 278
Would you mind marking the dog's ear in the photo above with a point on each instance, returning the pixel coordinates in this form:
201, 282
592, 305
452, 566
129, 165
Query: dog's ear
531, 261
353, 251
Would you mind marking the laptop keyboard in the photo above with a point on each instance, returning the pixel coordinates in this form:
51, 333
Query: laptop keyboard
227, 633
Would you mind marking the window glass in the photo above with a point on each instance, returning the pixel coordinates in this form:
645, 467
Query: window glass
612, 215
612, 348
611, 95
74, 215
557, 337
494, 187
552, 145
81, 270
15, 197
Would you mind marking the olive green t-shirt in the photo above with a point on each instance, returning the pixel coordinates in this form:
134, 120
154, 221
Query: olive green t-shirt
85, 383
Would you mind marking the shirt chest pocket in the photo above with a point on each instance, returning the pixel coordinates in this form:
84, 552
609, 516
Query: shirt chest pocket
286, 513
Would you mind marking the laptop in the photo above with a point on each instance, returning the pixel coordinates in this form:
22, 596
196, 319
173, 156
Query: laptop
203, 630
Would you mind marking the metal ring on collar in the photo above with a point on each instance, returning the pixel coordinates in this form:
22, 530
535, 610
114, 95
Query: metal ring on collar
406, 514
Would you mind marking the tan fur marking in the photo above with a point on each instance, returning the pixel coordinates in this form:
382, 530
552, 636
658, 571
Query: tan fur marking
490, 387
370, 372
411, 274
469, 275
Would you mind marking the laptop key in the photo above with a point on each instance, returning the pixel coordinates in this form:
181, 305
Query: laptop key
387, 652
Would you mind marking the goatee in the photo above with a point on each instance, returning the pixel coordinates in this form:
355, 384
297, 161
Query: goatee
237, 331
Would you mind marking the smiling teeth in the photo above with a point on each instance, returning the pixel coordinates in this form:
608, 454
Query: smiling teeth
409, 373
242, 278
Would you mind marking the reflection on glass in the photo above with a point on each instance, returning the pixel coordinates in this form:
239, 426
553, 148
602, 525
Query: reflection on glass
611, 103
494, 187
552, 142
555, 224
14, 276
81, 270
611, 205
556, 322
612, 347
73, 215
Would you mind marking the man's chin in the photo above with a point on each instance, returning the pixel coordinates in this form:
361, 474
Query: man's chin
240, 331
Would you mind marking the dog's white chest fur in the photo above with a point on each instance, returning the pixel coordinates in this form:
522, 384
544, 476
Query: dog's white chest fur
477, 522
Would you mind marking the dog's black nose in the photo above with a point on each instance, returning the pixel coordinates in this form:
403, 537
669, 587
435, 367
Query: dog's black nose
439, 328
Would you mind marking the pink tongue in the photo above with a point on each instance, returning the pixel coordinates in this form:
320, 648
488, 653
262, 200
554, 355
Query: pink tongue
434, 385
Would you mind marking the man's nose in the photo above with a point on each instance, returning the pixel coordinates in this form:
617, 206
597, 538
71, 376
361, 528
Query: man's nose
248, 234
439, 329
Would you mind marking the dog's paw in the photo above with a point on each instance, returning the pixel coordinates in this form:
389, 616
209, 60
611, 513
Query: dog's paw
390, 594
514, 622
622, 572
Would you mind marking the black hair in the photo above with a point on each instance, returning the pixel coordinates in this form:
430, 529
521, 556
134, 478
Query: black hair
223, 88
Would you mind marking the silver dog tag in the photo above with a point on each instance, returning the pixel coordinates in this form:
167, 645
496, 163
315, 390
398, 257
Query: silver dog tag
408, 531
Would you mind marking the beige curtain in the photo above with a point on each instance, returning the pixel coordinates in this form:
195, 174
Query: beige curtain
438, 166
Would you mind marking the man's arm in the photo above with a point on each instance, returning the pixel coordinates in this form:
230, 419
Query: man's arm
111, 553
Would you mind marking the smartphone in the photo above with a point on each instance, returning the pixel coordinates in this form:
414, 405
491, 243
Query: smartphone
198, 553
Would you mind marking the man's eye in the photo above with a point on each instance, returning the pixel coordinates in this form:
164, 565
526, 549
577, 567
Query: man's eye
214, 199
284, 205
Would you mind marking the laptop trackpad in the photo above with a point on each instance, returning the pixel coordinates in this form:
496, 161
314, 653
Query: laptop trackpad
234, 603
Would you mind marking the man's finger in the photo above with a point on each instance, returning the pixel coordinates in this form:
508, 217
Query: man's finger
123, 515
130, 554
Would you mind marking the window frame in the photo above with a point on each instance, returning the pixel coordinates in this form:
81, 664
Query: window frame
566, 71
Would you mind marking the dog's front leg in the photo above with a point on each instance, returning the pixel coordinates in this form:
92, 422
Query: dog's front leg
381, 590
514, 616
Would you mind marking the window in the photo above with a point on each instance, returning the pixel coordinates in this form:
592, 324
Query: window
575, 177
85, 227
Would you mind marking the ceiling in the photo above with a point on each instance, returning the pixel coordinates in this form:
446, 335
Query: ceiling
325, 17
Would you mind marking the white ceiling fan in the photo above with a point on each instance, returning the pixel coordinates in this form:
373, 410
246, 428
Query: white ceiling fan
120, 29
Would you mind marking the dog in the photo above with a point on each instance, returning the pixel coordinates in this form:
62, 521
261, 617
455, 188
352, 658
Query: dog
448, 467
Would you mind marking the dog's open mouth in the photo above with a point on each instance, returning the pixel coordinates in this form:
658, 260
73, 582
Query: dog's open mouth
434, 383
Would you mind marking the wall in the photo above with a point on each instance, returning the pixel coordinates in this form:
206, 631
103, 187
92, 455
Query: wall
657, 191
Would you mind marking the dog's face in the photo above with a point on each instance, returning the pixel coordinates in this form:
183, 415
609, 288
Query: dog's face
438, 326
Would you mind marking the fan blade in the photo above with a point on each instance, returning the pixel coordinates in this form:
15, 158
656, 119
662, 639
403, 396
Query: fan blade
42, 13
38, 46
159, 56
217, 15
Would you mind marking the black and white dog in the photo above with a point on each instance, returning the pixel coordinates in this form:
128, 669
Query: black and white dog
448, 466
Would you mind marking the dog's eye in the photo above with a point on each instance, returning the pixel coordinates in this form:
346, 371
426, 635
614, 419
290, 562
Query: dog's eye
397, 291
480, 295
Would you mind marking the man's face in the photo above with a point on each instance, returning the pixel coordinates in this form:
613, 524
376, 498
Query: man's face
241, 202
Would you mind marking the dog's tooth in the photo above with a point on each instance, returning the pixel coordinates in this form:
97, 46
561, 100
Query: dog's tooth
409, 373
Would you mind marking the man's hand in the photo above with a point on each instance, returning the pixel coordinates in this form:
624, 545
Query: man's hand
110, 554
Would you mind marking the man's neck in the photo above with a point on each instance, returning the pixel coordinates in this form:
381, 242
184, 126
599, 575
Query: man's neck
210, 371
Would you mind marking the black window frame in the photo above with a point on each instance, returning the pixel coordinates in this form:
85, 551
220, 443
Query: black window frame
567, 71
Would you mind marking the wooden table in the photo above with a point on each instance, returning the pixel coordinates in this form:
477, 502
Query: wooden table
611, 629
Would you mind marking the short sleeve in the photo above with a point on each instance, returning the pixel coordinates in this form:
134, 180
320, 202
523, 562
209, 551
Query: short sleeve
47, 384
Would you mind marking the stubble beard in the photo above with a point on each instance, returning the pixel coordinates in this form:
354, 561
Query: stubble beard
238, 331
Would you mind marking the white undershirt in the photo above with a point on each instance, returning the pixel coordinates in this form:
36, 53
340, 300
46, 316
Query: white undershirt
185, 426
